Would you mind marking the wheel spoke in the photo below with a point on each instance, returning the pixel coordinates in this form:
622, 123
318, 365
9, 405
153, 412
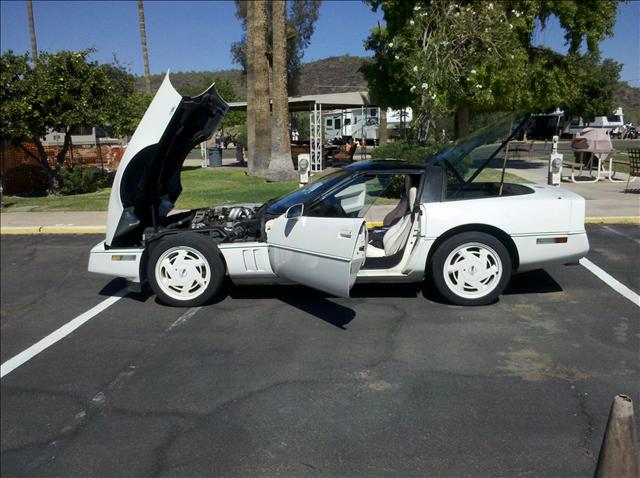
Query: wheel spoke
472, 270
182, 273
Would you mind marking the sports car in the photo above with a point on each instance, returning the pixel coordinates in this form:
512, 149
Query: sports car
371, 221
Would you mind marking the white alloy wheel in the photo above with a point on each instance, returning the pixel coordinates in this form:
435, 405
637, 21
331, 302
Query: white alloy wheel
182, 273
472, 270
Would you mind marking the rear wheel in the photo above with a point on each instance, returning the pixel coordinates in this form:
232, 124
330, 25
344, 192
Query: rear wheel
185, 270
471, 268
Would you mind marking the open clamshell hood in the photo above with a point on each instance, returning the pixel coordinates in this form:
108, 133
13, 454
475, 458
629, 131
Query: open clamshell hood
147, 182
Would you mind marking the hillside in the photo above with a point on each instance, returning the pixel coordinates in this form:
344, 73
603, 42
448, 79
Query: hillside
334, 74
340, 73
629, 98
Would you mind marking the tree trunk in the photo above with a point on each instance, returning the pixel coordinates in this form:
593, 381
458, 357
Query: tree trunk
280, 166
383, 132
251, 114
262, 126
461, 126
32, 31
143, 42
52, 174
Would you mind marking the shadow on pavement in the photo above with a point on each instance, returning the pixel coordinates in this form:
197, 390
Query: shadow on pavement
308, 300
532, 282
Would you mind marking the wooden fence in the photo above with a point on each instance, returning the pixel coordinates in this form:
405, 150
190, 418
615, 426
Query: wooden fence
23, 175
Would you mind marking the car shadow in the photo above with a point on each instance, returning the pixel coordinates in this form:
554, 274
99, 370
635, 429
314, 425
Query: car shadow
312, 302
532, 282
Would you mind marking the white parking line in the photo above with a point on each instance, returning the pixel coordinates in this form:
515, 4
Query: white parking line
616, 285
26, 355
621, 234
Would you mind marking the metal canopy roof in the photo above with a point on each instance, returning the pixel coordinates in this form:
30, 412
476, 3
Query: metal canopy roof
329, 101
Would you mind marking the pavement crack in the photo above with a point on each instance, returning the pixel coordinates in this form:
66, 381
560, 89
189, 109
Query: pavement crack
587, 417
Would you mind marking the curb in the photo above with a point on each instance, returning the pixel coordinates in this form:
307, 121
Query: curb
103, 229
613, 220
54, 230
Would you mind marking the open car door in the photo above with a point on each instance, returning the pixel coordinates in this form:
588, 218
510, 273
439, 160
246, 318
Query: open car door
321, 252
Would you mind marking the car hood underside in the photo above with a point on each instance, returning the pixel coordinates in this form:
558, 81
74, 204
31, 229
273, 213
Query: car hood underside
147, 183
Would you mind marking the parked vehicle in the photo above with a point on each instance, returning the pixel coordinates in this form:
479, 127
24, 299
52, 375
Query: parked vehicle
433, 219
609, 123
630, 132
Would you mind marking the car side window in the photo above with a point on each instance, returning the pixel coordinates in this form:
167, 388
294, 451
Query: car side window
366, 195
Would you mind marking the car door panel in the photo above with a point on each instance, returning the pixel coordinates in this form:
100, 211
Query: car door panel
323, 253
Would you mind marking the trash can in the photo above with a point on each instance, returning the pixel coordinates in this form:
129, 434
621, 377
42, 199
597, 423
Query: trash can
215, 157
239, 152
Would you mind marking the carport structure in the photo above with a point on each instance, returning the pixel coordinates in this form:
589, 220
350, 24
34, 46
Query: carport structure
314, 104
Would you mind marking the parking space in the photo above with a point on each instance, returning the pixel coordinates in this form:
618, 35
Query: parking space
284, 381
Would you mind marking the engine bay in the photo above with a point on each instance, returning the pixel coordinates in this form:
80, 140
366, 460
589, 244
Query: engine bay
224, 223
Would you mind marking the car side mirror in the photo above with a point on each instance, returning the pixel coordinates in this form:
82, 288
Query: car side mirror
294, 211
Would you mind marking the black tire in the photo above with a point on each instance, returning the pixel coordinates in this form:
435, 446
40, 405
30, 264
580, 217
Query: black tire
475, 244
196, 248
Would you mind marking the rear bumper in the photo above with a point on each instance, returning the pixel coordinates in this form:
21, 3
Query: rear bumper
533, 255
116, 262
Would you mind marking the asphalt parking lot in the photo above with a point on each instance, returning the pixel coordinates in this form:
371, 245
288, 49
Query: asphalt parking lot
284, 381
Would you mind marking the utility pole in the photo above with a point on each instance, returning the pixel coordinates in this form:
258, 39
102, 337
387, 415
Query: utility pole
32, 31
143, 42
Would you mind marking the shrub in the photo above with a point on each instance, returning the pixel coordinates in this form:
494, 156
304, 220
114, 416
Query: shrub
25, 180
408, 150
78, 180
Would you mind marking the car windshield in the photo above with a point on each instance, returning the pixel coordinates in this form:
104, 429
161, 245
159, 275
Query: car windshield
307, 193
471, 154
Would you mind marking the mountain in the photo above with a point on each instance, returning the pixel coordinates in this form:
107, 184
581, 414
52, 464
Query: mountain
629, 98
340, 73
329, 75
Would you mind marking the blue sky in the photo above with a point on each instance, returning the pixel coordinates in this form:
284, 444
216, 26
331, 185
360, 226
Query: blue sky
196, 35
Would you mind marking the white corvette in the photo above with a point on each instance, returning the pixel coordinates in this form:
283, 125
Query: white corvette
373, 221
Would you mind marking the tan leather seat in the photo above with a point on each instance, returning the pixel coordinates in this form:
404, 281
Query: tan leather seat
398, 212
395, 238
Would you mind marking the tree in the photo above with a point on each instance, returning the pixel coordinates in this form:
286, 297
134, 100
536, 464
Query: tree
32, 31
471, 56
259, 162
299, 29
143, 43
249, 22
595, 84
62, 91
280, 166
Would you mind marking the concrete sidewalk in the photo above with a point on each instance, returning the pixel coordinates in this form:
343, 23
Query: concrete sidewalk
605, 199
53, 222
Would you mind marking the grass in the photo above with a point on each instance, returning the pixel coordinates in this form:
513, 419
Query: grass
201, 187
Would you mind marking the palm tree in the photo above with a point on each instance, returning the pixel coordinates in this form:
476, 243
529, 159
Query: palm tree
143, 42
280, 165
262, 125
251, 129
32, 31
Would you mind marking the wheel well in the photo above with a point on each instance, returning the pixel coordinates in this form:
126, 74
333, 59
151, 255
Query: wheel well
155, 240
491, 230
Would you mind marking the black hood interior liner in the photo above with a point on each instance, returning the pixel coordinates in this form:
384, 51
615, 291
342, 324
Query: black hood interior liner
152, 177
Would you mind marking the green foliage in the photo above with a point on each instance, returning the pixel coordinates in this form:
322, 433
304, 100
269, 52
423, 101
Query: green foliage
436, 56
78, 180
61, 91
407, 150
596, 83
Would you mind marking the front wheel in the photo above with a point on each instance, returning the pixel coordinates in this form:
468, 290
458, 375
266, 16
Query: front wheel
185, 270
471, 268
